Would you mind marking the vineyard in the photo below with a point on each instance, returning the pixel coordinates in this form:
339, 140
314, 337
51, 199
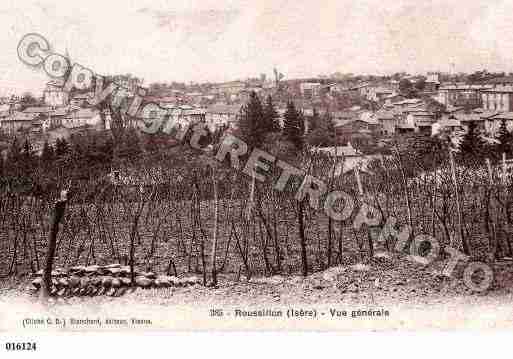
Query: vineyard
211, 219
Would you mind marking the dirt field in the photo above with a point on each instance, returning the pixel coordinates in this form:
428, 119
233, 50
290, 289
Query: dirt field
414, 296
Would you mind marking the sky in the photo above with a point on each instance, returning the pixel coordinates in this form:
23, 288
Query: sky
222, 40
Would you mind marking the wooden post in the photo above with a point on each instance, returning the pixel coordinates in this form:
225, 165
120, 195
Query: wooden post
504, 168
406, 191
491, 216
362, 194
251, 204
302, 238
216, 218
458, 205
490, 172
58, 213
358, 179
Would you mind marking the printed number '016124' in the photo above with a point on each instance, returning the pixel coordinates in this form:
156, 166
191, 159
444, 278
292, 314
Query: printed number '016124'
10, 346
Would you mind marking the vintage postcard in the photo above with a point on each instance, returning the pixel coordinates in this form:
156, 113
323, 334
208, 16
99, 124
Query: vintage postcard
238, 165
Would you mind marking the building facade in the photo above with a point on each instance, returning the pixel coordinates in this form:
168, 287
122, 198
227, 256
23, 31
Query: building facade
499, 98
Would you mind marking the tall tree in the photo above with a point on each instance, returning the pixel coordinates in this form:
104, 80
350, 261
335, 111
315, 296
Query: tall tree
107, 148
505, 139
27, 150
271, 116
2, 166
61, 147
313, 123
293, 128
324, 133
251, 124
130, 145
28, 99
472, 147
420, 85
47, 155
14, 153
407, 89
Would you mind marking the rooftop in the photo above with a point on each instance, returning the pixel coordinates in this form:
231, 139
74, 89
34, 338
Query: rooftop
385, 115
422, 113
21, 116
383, 90
466, 117
504, 79
38, 109
83, 113
369, 117
410, 101
59, 111
337, 151
463, 87
502, 116
450, 122
501, 88
224, 109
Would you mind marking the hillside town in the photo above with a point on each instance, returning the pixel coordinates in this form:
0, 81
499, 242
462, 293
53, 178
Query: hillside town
364, 110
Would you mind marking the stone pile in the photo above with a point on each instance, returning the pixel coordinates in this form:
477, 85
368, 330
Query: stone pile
111, 280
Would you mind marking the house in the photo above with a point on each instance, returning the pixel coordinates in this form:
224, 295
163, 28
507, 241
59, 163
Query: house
455, 120
4, 114
341, 117
54, 118
18, 121
185, 116
230, 88
458, 122
373, 124
388, 121
350, 159
362, 89
54, 94
432, 83
220, 115
336, 88
310, 89
501, 81
338, 151
405, 127
493, 123
403, 107
162, 101
450, 125
411, 102
421, 120
450, 109
378, 94
82, 117
38, 110
499, 98
394, 85
81, 99
461, 94
479, 116
394, 97
478, 119
356, 131
399, 111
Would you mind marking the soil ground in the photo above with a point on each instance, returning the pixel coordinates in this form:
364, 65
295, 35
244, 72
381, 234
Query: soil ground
392, 280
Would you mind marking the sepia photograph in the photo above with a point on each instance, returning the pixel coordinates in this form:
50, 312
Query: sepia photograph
255, 166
